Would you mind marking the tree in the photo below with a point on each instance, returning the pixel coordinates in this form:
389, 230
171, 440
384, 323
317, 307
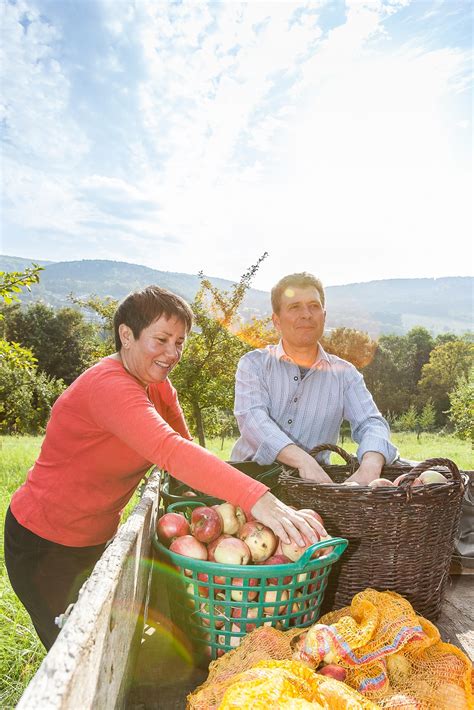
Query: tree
12, 282
382, 378
258, 333
427, 417
350, 344
461, 411
408, 421
449, 365
419, 346
62, 342
204, 378
26, 395
105, 309
26, 398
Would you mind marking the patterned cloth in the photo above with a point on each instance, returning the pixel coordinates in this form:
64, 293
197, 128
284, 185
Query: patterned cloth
275, 407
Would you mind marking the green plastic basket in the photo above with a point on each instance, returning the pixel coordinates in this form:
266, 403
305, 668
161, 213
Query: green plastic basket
215, 611
172, 490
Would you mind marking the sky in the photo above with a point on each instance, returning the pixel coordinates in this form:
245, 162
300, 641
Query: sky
334, 134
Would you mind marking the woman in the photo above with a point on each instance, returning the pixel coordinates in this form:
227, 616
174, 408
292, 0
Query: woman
118, 418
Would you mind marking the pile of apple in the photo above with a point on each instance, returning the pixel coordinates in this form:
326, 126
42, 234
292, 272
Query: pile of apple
221, 534
424, 479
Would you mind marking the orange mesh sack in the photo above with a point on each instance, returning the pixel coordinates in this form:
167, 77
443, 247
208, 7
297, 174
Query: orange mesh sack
392, 658
391, 655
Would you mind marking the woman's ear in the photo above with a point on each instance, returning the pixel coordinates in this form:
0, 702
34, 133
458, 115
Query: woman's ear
126, 335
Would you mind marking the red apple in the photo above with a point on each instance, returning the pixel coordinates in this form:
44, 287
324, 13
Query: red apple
278, 559
232, 551
212, 546
171, 525
246, 613
206, 524
232, 641
333, 671
231, 524
294, 551
381, 483
416, 482
240, 515
270, 597
296, 606
261, 540
188, 546
312, 512
431, 476
238, 594
218, 612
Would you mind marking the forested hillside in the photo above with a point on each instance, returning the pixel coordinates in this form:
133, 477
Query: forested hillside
377, 307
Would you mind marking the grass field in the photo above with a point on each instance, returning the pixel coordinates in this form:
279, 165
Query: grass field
20, 651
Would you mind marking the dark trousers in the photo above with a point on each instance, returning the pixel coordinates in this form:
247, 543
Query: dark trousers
45, 576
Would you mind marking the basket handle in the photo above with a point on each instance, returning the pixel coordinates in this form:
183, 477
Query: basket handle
338, 544
348, 458
429, 463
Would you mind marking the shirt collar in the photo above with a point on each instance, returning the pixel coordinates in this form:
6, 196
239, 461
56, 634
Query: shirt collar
317, 364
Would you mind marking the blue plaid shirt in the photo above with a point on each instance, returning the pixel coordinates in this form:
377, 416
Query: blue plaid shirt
275, 406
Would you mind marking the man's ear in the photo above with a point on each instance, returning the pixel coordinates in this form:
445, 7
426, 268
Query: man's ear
276, 322
126, 335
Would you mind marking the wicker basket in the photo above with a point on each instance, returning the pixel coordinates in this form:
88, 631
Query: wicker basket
400, 539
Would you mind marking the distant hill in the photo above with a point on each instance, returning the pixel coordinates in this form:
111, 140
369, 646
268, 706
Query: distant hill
385, 306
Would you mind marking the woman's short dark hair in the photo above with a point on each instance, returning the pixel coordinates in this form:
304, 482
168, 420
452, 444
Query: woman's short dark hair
141, 308
300, 280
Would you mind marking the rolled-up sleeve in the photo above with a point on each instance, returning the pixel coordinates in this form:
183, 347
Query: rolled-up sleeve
252, 405
369, 429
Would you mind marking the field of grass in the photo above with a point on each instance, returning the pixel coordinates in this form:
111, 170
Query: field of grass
20, 651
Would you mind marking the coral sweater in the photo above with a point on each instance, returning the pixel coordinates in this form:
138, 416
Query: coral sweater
104, 433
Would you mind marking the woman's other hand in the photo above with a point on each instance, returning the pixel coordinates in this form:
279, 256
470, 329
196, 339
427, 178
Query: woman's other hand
286, 523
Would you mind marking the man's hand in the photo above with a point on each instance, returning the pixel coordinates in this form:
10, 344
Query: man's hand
285, 522
308, 468
370, 468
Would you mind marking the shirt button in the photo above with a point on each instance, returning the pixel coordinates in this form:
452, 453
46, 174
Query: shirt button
295, 399
290, 421
295, 377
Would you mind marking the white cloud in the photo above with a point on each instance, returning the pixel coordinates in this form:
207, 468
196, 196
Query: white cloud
36, 90
218, 131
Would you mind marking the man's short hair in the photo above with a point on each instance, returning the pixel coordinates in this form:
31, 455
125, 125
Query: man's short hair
301, 280
142, 308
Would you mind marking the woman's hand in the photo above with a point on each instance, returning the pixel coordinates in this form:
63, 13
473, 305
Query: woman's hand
286, 523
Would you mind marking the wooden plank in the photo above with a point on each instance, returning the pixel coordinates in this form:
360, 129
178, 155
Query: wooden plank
89, 664
456, 622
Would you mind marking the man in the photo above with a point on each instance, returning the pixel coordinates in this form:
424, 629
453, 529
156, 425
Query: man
293, 396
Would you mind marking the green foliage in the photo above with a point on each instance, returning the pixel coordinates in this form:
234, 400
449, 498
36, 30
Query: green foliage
63, 343
408, 421
105, 309
461, 411
13, 282
205, 376
427, 417
26, 398
14, 356
350, 344
258, 333
449, 363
